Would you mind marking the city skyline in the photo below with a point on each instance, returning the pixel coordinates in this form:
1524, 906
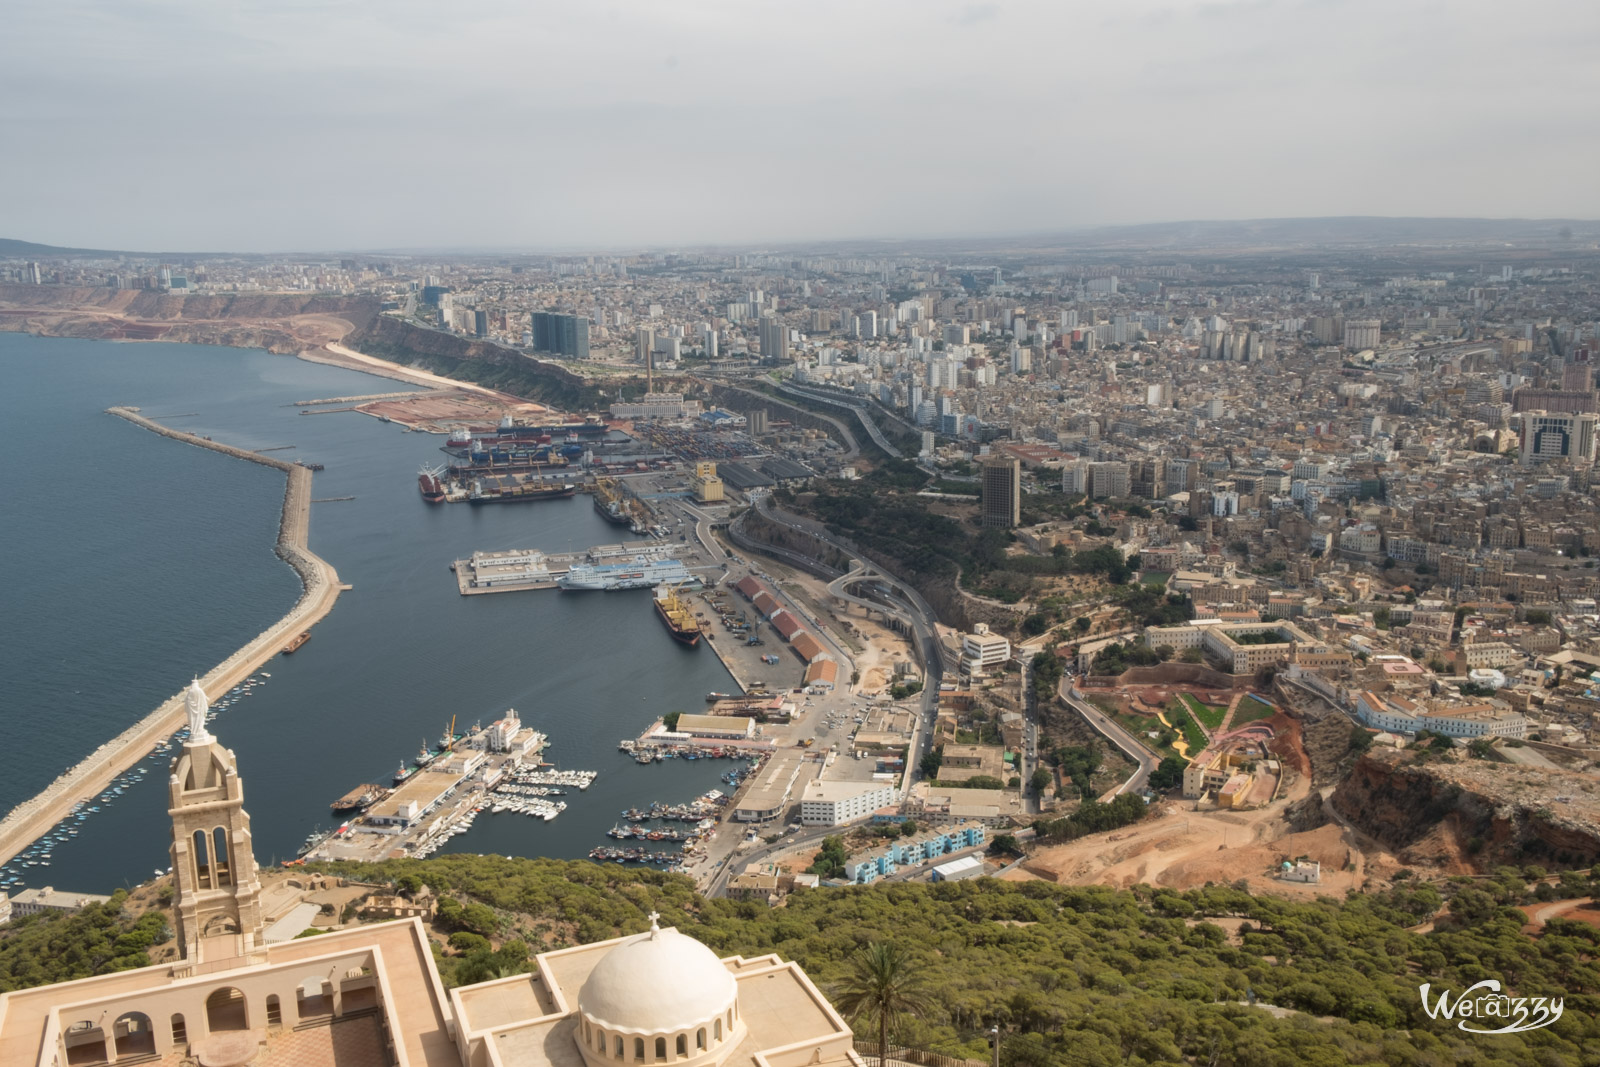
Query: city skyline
361, 127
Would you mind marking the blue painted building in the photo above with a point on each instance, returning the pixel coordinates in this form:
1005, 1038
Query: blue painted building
866, 867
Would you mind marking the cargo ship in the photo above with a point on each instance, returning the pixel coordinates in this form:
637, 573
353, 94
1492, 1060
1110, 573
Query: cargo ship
610, 504
360, 798
612, 511
430, 484
566, 438
499, 492
676, 616
639, 573
496, 454
297, 642
508, 430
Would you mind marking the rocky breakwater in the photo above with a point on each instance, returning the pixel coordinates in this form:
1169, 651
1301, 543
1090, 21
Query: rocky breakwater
32, 818
1468, 815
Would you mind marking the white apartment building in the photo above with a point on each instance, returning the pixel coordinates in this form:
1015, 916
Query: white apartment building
837, 803
1475, 720
1396, 715
981, 649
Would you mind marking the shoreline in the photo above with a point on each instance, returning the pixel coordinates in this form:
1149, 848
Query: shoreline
320, 587
338, 354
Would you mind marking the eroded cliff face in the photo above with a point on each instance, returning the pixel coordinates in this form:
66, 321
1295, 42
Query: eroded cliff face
1472, 815
283, 323
484, 362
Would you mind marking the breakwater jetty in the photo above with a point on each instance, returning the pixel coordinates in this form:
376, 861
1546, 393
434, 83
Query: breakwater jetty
33, 818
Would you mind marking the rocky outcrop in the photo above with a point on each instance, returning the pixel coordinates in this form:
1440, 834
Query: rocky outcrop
1306, 814
1471, 814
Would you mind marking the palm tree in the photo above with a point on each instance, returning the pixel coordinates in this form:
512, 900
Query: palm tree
884, 983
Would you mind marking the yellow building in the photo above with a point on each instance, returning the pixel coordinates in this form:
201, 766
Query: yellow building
707, 486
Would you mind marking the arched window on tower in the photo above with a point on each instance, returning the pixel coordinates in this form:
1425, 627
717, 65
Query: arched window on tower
683, 1044
700, 1039
716, 1030
661, 1048
219, 858
617, 1049
202, 862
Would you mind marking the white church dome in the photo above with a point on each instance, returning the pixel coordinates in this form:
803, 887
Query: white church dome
659, 982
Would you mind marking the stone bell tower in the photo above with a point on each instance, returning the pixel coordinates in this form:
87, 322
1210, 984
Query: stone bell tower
214, 870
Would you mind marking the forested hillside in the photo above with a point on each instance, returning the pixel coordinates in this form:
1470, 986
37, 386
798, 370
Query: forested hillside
1100, 976
1072, 975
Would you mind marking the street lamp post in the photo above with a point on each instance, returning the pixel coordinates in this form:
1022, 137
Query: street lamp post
994, 1036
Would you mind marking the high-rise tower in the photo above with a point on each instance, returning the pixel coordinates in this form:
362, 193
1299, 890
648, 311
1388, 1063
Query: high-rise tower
214, 870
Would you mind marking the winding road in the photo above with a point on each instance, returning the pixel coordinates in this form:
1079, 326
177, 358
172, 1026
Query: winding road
1103, 724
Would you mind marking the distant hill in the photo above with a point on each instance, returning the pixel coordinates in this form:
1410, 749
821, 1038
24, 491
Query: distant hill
10, 248
1340, 231
14, 249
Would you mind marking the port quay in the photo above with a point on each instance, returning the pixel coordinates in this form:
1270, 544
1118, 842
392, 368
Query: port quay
33, 818
520, 569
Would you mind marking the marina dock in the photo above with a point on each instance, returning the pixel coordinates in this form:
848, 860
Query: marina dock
441, 793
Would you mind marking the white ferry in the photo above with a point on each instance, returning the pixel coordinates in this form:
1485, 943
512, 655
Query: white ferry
633, 574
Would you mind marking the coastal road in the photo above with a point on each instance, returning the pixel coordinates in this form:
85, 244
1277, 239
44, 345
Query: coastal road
914, 607
852, 448
878, 437
1130, 746
812, 835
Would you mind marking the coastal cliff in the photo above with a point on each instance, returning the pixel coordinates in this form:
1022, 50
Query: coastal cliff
482, 362
1471, 815
280, 323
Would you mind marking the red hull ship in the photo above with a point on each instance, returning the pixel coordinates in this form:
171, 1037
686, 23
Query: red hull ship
678, 619
430, 485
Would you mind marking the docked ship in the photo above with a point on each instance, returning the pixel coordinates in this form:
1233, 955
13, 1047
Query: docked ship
590, 427
431, 484
360, 798
502, 491
612, 511
566, 438
610, 504
676, 616
640, 573
501, 454
304, 636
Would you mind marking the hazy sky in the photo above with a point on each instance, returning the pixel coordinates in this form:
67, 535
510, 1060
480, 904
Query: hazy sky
342, 124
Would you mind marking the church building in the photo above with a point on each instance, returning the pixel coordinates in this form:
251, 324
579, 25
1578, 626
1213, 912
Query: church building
370, 996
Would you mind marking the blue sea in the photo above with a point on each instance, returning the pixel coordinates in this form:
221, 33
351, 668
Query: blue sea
131, 562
